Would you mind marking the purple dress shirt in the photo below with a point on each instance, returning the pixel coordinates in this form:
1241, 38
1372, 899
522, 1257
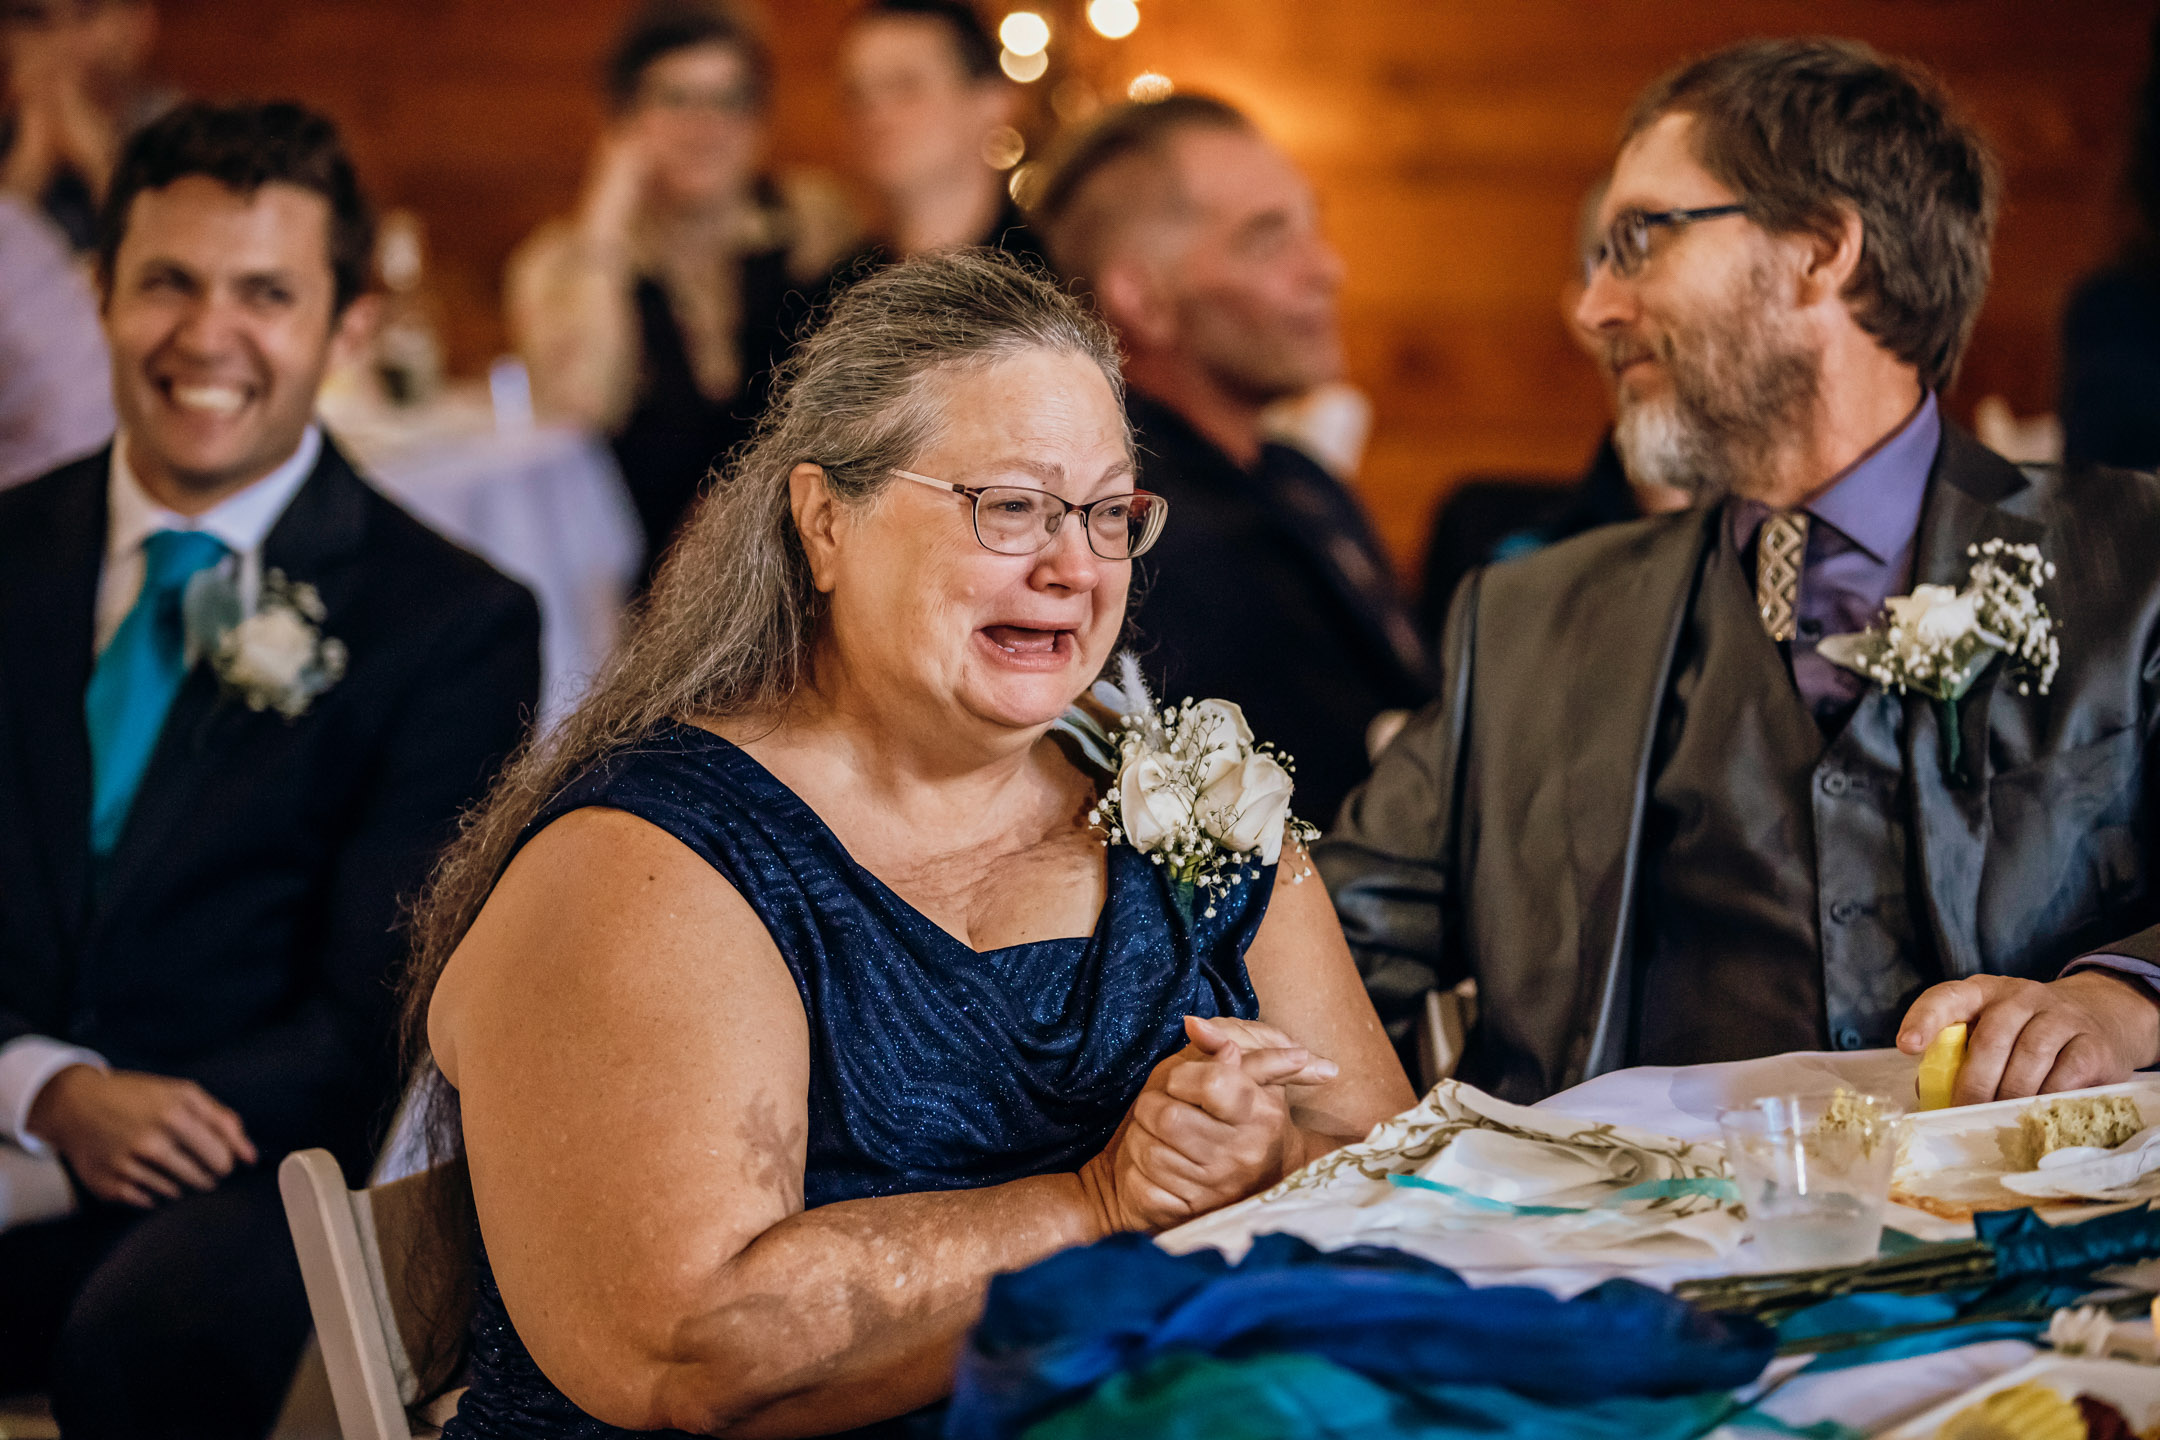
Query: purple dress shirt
1862, 533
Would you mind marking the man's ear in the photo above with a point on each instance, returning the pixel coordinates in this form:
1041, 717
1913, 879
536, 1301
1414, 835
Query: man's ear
1831, 258
1136, 301
354, 330
817, 519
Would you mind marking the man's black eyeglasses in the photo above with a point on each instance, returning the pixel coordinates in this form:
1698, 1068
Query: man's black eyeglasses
1627, 239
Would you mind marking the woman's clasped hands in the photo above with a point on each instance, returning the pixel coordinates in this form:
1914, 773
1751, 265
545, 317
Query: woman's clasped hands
1212, 1126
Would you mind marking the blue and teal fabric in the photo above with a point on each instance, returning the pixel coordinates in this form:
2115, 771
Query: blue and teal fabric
136, 678
1189, 1396
1053, 1334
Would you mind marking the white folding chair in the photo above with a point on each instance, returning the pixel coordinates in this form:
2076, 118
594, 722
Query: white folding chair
1443, 1031
381, 1309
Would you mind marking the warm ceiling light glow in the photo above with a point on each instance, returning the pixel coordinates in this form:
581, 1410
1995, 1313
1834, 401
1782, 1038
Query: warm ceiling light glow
1113, 19
1024, 32
1148, 86
1003, 147
1024, 68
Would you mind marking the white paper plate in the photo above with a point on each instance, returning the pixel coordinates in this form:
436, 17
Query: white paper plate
1952, 1161
2132, 1389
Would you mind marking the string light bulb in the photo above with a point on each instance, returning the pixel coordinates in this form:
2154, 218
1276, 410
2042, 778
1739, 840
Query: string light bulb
1113, 19
1024, 68
1149, 86
1025, 33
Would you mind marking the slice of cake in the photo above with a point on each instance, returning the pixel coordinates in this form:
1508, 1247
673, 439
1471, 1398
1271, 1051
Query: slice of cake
2102, 1120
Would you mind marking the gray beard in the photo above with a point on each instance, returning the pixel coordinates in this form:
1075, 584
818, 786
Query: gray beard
1740, 393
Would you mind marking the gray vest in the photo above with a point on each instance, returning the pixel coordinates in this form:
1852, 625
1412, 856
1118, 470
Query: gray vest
1774, 911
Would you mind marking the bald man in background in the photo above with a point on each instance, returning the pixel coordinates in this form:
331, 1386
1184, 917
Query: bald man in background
1201, 244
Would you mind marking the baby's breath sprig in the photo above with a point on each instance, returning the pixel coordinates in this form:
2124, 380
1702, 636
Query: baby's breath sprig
1938, 640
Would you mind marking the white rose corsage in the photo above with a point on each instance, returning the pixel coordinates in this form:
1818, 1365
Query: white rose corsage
276, 658
1939, 641
1193, 791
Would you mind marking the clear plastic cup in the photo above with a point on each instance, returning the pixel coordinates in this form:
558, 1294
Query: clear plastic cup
1814, 1174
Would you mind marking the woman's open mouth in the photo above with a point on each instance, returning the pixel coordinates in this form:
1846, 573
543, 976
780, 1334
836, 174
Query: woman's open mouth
1027, 645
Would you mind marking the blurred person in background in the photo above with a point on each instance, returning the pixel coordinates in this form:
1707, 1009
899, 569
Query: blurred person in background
246, 698
55, 378
75, 93
2111, 330
654, 313
927, 102
1201, 244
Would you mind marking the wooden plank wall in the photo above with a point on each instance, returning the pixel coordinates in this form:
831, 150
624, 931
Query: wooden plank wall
1451, 141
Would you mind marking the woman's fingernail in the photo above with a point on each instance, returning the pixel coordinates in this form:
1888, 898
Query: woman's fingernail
1328, 1069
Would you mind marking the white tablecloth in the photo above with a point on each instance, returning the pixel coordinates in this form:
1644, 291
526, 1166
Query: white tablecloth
545, 506
1684, 1103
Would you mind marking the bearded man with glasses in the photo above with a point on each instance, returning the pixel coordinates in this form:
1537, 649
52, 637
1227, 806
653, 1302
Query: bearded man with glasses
1649, 816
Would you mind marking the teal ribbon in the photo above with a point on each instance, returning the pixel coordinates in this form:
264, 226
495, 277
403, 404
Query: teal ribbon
1648, 1190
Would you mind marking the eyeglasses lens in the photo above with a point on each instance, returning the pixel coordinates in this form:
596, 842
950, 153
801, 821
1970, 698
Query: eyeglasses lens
1014, 521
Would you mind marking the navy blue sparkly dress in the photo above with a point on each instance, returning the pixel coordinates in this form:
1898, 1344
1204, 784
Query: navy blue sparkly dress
932, 1066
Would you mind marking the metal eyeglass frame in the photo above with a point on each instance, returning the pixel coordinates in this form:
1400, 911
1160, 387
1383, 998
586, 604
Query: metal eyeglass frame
1627, 258
1159, 512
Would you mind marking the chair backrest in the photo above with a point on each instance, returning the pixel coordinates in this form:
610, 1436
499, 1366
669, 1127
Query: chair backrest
383, 1304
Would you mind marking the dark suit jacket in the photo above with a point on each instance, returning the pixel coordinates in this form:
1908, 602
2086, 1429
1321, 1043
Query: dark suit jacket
1499, 836
1241, 600
246, 936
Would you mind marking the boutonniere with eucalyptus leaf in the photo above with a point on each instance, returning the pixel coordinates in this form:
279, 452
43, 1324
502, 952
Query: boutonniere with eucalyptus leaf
277, 657
1194, 792
1938, 641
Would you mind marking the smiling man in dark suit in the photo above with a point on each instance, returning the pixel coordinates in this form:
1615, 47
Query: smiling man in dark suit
246, 699
1649, 816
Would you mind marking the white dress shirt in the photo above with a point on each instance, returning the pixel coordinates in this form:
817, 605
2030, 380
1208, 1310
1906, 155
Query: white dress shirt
242, 522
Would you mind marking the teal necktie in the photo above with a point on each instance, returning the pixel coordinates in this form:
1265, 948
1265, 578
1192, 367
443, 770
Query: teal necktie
137, 677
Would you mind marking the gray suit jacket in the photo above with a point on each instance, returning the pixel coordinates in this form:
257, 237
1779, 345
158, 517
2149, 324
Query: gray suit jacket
1500, 834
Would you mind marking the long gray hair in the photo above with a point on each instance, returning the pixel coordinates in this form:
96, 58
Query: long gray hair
731, 623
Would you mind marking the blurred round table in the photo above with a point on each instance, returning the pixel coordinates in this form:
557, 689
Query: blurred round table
545, 506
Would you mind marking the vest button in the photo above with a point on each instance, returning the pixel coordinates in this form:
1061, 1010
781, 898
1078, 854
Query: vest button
1844, 912
1835, 784
1848, 1038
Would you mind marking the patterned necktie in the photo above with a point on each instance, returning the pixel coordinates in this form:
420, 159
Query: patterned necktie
1778, 557
137, 677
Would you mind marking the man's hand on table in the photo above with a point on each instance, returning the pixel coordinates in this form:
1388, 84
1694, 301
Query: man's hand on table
2091, 1028
136, 1139
1211, 1127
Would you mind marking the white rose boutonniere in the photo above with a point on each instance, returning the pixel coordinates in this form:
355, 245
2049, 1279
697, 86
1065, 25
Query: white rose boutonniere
274, 659
1194, 792
1938, 640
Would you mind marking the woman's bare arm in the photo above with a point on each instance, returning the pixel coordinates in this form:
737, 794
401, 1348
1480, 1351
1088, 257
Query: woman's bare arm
1309, 989
632, 1061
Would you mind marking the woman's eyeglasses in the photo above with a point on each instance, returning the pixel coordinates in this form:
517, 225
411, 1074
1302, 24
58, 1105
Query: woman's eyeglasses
1627, 240
1013, 520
